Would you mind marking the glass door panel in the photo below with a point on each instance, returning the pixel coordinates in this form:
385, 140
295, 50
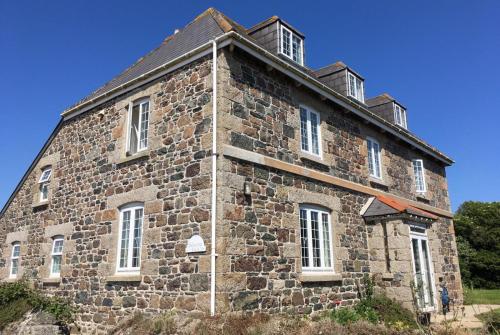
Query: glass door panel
422, 271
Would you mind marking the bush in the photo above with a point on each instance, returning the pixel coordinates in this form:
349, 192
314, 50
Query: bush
18, 298
391, 312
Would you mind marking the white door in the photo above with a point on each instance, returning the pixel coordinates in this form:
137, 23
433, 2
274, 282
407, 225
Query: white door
422, 268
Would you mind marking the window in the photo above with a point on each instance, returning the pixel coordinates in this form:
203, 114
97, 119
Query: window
129, 249
14, 259
310, 131
418, 171
355, 87
374, 158
315, 239
400, 116
291, 45
57, 248
44, 183
138, 121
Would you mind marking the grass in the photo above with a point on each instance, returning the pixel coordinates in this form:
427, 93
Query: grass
13, 311
482, 297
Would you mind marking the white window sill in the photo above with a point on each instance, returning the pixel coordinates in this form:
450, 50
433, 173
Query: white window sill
124, 277
303, 155
320, 277
378, 181
137, 155
51, 280
40, 204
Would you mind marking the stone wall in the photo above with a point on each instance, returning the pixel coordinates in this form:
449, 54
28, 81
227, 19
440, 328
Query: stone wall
258, 264
259, 241
263, 116
92, 177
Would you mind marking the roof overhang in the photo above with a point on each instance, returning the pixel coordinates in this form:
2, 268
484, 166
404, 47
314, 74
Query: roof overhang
388, 208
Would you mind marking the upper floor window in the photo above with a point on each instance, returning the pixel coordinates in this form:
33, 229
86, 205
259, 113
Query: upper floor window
14, 259
310, 131
355, 87
130, 235
291, 45
315, 239
138, 123
44, 183
57, 249
374, 158
418, 171
400, 116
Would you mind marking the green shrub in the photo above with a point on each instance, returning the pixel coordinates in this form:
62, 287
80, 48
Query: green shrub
391, 312
21, 299
491, 321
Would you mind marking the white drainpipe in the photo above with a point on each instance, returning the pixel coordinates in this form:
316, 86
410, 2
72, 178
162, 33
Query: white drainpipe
213, 255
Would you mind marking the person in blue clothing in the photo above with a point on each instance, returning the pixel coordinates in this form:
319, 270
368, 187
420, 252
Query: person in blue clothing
445, 298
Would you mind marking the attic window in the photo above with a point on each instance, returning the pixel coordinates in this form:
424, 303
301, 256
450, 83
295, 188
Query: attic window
291, 45
356, 89
400, 116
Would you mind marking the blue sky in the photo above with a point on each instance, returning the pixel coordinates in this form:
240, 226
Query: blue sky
439, 58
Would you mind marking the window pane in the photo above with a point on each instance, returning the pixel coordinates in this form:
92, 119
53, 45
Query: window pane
16, 251
143, 143
419, 175
285, 41
352, 89
15, 267
314, 133
428, 282
45, 175
376, 159
134, 130
315, 239
296, 49
370, 157
124, 242
304, 238
137, 238
303, 129
44, 191
58, 246
56, 264
326, 240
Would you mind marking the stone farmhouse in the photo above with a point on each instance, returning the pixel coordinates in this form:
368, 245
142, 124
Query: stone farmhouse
219, 173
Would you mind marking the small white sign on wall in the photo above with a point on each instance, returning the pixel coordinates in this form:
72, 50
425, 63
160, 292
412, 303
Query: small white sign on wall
195, 244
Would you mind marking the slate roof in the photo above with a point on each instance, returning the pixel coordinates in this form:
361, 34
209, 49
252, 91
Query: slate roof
206, 27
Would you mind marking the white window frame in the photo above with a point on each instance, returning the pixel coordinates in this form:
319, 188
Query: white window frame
129, 268
309, 131
373, 156
54, 254
415, 232
13, 257
400, 116
357, 94
282, 50
423, 186
139, 145
44, 183
322, 268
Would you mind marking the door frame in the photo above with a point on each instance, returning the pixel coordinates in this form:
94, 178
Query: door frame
420, 233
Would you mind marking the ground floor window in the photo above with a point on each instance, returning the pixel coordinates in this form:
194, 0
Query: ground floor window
129, 250
422, 268
14, 259
315, 239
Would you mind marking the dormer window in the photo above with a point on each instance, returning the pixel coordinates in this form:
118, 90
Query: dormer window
400, 116
292, 45
356, 89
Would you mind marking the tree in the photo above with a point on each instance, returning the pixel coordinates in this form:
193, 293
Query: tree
477, 226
